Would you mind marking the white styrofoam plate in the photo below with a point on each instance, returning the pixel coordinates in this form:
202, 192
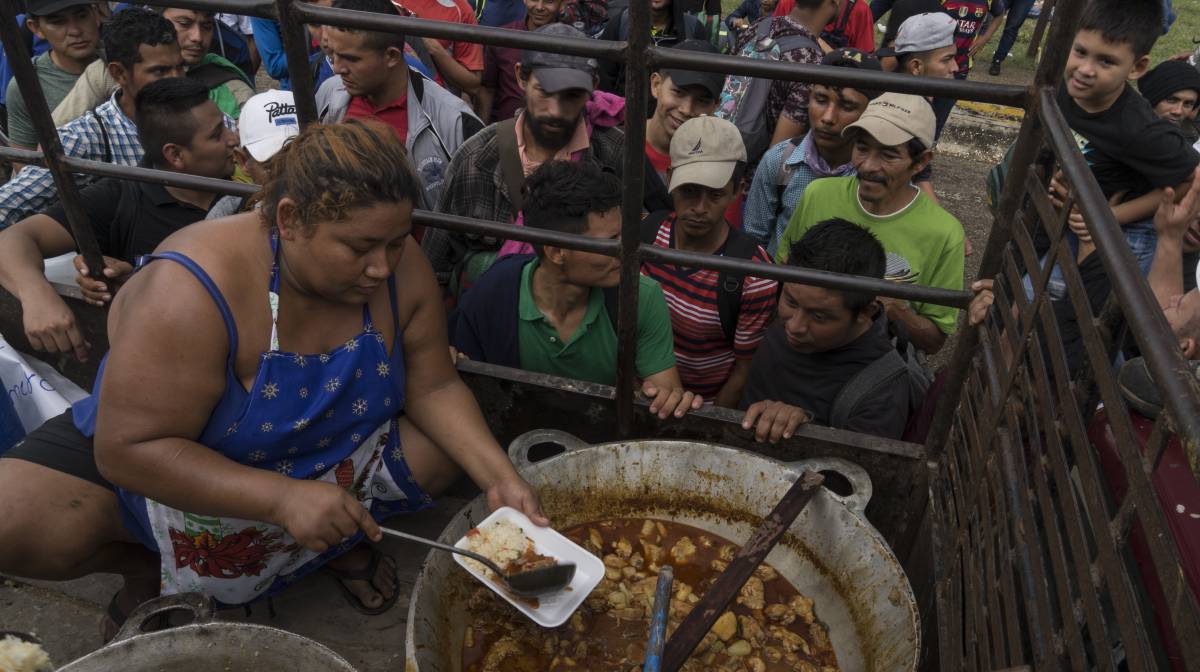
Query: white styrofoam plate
553, 608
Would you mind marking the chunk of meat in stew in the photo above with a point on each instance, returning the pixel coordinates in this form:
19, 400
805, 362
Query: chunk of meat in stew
770, 627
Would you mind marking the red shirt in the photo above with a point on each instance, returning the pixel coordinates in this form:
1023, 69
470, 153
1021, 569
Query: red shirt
469, 54
394, 114
860, 28
660, 161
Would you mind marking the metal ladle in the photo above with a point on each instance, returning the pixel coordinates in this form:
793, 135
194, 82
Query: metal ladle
529, 583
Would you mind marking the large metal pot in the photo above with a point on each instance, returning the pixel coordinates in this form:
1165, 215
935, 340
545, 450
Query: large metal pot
205, 645
830, 553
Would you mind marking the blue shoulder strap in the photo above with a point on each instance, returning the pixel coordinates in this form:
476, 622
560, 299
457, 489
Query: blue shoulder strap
209, 285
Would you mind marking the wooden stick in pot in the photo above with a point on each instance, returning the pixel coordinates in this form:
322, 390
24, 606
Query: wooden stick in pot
710, 607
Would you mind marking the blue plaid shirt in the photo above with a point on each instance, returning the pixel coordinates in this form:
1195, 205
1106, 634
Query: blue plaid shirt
765, 218
32, 190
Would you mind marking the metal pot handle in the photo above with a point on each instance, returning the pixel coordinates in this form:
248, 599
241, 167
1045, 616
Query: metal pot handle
859, 480
518, 450
198, 604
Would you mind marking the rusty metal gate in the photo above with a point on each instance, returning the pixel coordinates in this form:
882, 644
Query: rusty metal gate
1030, 547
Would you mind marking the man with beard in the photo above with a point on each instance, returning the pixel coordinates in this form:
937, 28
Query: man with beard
789, 167
718, 319
374, 81
924, 243
485, 178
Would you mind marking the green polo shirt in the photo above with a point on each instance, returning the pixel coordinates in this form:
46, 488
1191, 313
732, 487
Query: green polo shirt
591, 352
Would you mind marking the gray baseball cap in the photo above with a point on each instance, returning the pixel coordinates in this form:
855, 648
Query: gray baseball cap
711, 81
559, 72
921, 33
48, 7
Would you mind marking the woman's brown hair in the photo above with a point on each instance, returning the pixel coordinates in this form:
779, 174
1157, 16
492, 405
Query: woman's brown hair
331, 169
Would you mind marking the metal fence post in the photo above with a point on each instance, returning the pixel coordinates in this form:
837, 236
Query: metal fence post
52, 152
1048, 73
295, 47
637, 86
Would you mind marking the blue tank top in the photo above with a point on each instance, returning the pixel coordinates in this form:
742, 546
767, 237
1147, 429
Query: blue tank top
306, 417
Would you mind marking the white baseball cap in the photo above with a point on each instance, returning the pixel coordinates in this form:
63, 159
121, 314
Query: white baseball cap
267, 121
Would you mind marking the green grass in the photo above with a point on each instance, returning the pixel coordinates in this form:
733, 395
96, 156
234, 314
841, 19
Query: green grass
1178, 40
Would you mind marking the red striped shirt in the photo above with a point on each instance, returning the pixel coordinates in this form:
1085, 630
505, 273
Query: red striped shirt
704, 356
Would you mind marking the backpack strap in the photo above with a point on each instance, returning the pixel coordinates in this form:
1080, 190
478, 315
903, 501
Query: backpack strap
422, 52
212, 75
786, 170
510, 162
651, 223
763, 30
840, 26
108, 155
790, 42
879, 373
611, 301
729, 285
648, 232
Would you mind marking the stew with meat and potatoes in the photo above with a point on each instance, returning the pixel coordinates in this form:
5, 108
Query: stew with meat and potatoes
770, 626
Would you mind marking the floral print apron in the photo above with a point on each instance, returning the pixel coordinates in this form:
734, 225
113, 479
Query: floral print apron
330, 417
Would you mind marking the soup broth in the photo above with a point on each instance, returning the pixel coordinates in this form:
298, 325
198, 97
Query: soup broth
770, 626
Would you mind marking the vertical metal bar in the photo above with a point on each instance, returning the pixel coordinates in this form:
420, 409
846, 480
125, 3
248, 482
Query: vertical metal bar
295, 47
637, 88
1035, 42
39, 112
1049, 71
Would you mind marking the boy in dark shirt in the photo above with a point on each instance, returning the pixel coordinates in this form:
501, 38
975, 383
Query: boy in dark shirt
1132, 153
821, 341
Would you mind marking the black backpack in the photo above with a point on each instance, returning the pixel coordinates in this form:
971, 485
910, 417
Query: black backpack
836, 37
587, 16
901, 365
729, 285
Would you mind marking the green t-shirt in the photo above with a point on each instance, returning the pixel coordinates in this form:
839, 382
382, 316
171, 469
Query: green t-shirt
56, 84
924, 243
591, 352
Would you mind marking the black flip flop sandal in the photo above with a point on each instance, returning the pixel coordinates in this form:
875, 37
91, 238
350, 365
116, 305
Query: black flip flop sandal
366, 574
113, 614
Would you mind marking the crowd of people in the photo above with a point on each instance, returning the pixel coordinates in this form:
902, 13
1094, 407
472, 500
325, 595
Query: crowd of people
819, 177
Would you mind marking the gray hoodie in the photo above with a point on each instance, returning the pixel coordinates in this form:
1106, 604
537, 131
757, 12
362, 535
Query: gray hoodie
438, 122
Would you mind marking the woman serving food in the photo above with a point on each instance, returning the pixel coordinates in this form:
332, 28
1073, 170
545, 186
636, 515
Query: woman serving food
278, 383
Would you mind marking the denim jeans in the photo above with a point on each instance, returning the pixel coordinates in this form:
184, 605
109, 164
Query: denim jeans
943, 106
1142, 239
1018, 10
